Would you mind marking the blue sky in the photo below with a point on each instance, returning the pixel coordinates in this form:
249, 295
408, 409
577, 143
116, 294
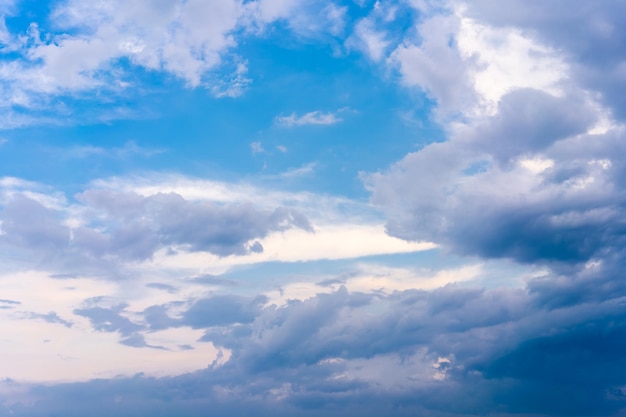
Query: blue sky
304, 208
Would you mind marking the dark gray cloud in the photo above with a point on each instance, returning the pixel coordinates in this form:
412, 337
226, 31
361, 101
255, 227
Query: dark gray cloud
157, 317
569, 212
113, 320
160, 286
529, 183
116, 227
139, 225
529, 121
344, 354
109, 319
221, 310
470, 193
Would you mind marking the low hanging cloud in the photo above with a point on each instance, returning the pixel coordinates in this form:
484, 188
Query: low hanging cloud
445, 352
118, 227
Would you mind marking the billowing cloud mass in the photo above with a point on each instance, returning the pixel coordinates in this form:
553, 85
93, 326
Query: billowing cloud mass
454, 246
111, 225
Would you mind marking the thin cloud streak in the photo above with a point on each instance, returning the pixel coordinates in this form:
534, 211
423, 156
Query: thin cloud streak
316, 117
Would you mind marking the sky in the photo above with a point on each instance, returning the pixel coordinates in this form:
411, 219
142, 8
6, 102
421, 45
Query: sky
312, 208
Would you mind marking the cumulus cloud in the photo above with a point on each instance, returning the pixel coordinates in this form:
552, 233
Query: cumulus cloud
109, 226
479, 192
449, 351
79, 49
466, 65
171, 36
529, 179
589, 34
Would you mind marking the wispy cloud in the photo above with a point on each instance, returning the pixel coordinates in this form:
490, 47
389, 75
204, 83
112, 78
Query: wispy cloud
311, 118
130, 148
306, 169
257, 147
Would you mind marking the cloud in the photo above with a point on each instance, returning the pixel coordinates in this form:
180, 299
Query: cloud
100, 48
466, 66
311, 118
479, 193
367, 38
109, 319
222, 311
524, 175
162, 36
307, 19
83, 49
183, 225
256, 147
506, 209
110, 228
588, 35
234, 85
449, 351
129, 149
306, 169
51, 317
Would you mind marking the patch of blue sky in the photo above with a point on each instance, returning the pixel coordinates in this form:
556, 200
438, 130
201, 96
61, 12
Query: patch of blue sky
192, 132
21, 14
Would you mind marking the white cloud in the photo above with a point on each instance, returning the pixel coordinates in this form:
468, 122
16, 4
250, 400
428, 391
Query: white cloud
256, 147
129, 149
506, 60
467, 66
310, 18
328, 242
372, 278
304, 170
319, 208
83, 231
369, 39
316, 117
435, 65
186, 39
233, 85
55, 352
